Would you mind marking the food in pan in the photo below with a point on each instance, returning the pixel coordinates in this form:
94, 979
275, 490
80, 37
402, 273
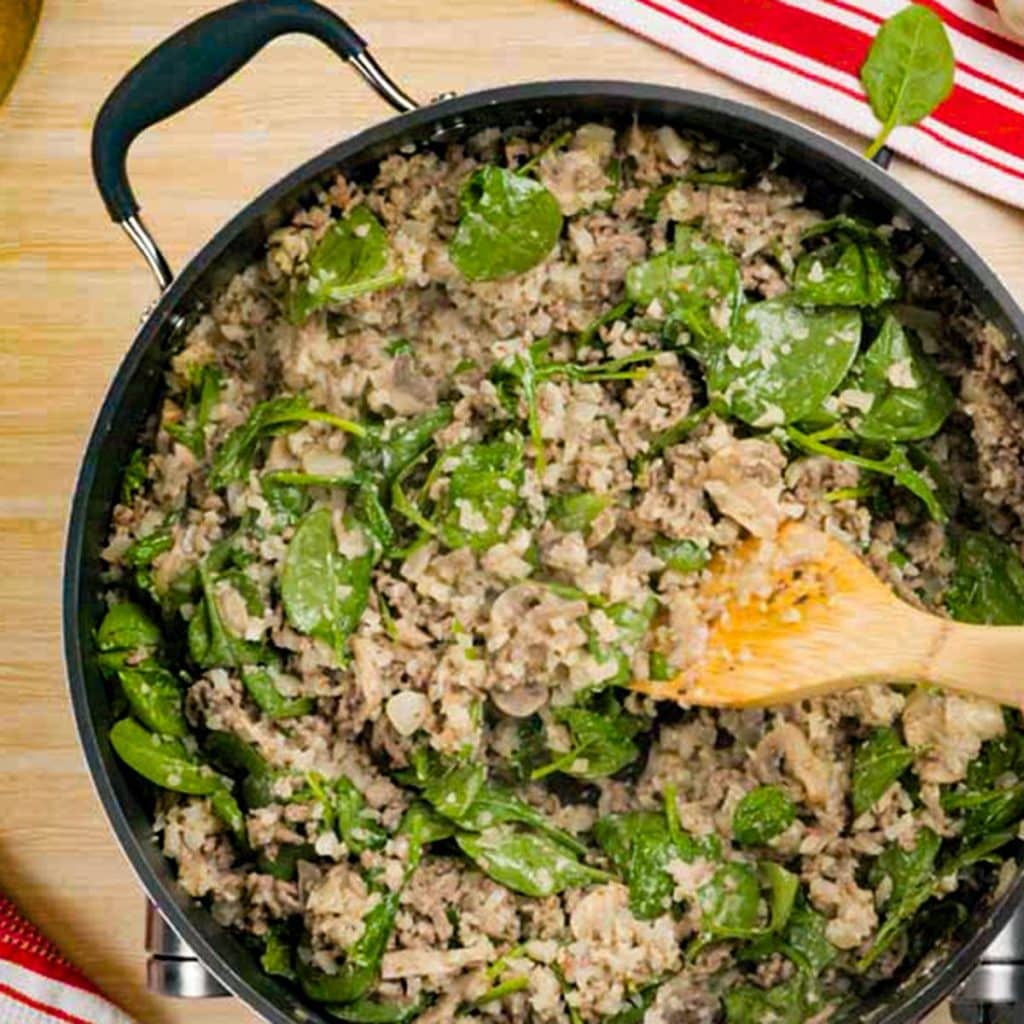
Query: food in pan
438, 477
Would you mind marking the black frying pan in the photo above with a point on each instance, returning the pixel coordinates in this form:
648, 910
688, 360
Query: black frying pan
185, 68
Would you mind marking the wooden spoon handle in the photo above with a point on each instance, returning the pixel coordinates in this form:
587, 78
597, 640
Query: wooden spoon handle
987, 661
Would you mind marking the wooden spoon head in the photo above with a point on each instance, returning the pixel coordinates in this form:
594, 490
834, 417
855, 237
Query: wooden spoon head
794, 616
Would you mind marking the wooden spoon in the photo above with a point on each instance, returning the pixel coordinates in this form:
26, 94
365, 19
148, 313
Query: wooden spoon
799, 615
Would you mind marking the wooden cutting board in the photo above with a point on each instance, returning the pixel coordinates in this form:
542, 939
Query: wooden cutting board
72, 291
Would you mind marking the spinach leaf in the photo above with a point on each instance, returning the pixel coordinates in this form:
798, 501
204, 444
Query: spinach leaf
729, 902
346, 812
508, 223
154, 695
285, 865
453, 793
288, 502
784, 887
495, 805
633, 622
988, 810
277, 955
479, 505
802, 940
260, 685
895, 464
602, 739
134, 478
853, 271
998, 758
877, 763
681, 555
204, 384
141, 555
210, 642
908, 71
126, 629
324, 594
988, 583
783, 361
575, 513
641, 845
910, 397
352, 258
527, 862
362, 960
237, 453
403, 442
698, 283
370, 1011
162, 760
225, 806
761, 815
790, 1002
421, 826
912, 874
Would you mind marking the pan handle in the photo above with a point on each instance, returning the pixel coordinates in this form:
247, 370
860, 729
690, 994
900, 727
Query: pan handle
190, 64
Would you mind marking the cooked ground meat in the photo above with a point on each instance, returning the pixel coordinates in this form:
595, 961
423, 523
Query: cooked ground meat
434, 480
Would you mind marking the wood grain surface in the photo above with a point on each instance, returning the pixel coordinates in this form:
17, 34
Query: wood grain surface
72, 290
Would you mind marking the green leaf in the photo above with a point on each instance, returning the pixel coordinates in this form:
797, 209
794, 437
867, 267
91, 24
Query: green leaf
352, 258
204, 384
285, 865
988, 583
784, 888
422, 825
236, 455
225, 806
791, 1002
602, 739
908, 71
210, 642
277, 955
527, 862
633, 622
508, 223
762, 814
484, 483
575, 513
849, 272
805, 936
783, 361
260, 685
324, 594
145, 550
134, 478
361, 966
162, 760
453, 793
127, 628
681, 555
878, 762
729, 902
154, 695
912, 874
371, 1011
910, 397
495, 805
896, 465
641, 845
356, 824
697, 282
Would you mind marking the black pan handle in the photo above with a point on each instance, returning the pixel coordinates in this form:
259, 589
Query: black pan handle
192, 63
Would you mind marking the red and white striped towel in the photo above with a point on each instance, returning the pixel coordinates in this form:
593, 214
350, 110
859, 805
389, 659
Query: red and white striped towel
38, 986
809, 52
